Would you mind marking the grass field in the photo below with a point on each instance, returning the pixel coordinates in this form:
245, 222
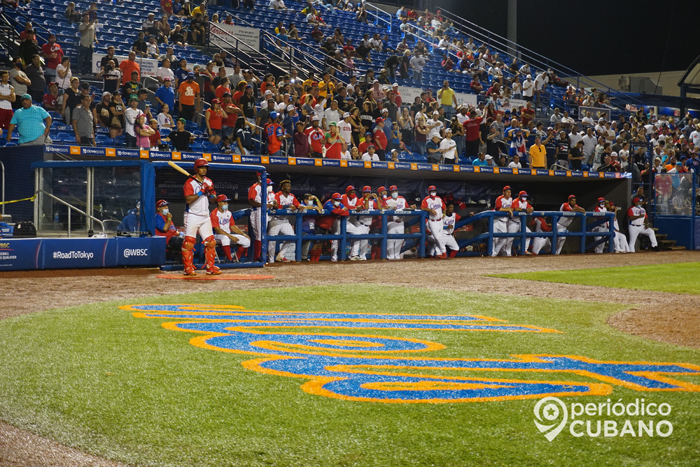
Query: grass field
675, 278
98, 378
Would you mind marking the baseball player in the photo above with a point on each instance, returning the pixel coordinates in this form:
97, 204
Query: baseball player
639, 224
284, 199
620, 240
395, 223
519, 204
369, 201
564, 222
538, 243
504, 203
199, 190
603, 227
353, 227
255, 202
448, 228
435, 207
335, 209
225, 230
165, 227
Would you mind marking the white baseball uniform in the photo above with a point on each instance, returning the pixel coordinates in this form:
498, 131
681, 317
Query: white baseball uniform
353, 226
541, 242
197, 214
514, 222
621, 245
255, 215
562, 225
434, 221
223, 220
280, 225
636, 227
601, 228
500, 225
395, 225
448, 229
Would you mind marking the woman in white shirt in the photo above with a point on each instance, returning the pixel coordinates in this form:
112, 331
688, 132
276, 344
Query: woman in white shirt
164, 118
63, 74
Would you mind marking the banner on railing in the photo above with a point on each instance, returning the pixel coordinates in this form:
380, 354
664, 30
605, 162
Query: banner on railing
250, 36
596, 112
149, 66
466, 99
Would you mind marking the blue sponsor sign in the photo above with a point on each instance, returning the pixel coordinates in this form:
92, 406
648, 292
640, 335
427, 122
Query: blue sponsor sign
380, 165
128, 153
278, 160
57, 149
6, 230
157, 155
560, 173
402, 165
61, 253
221, 158
577, 174
424, 166
359, 164
446, 168
87, 151
307, 161
331, 162
505, 170
190, 156
147, 251
250, 159
486, 169
466, 168
19, 253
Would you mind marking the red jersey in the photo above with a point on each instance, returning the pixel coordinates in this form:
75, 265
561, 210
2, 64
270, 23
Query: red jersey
471, 128
316, 139
168, 234
231, 117
362, 148
220, 92
48, 49
379, 138
333, 150
351, 203
215, 119
275, 135
236, 98
50, 99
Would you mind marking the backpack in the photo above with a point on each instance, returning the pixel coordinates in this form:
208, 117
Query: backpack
24, 229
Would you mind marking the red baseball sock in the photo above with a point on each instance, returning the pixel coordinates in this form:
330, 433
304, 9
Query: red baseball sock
453, 253
257, 248
227, 251
240, 252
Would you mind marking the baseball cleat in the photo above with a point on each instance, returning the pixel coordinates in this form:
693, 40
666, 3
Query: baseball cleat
213, 271
281, 259
355, 258
190, 272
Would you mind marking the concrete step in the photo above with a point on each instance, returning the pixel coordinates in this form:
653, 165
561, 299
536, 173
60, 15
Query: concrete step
677, 248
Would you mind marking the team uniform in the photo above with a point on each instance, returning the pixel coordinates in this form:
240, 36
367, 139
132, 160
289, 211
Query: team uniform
435, 223
353, 227
223, 220
448, 229
329, 222
502, 225
601, 228
562, 225
636, 227
254, 194
197, 220
541, 242
280, 225
514, 222
620, 240
395, 226
364, 223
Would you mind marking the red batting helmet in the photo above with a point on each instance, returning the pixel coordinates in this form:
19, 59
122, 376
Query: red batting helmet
201, 162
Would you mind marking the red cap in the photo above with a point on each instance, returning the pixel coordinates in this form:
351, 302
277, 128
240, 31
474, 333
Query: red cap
601, 200
507, 187
572, 197
380, 189
636, 199
393, 188
221, 198
380, 119
612, 205
161, 203
201, 162
432, 188
336, 196
522, 193
366, 189
215, 101
349, 189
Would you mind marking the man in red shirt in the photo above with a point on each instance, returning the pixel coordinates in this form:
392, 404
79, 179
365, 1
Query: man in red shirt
473, 135
380, 139
129, 66
317, 138
53, 53
527, 114
362, 148
275, 135
167, 7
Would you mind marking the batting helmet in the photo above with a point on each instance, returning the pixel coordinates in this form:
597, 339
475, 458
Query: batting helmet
201, 162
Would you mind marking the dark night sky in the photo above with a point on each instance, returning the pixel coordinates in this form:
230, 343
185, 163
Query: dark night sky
596, 37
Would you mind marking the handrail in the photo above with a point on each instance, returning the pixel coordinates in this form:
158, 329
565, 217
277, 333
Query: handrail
70, 206
376, 15
533, 57
248, 47
429, 41
34, 23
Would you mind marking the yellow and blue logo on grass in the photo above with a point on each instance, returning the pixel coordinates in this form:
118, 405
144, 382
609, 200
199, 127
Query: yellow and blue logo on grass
360, 367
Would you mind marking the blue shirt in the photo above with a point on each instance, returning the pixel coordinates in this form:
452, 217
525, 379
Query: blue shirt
167, 95
388, 128
479, 162
180, 76
30, 123
130, 223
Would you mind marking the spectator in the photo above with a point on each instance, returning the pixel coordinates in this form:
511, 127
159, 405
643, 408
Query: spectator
165, 72
448, 149
7, 97
111, 76
117, 120
83, 122
433, 146
165, 120
53, 53
143, 132
576, 156
166, 7
152, 47
109, 57
537, 155
370, 155
472, 134
475, 85
70, 14
130, 116
140, 47
71, 99
28, 47
33, 123
448, 99
188, 97
165, 95
180, 137
100, 112
128, 67
50, 100
528, 88
87, 39
214, 117
417, 63
131, 87
421, 137
35, 73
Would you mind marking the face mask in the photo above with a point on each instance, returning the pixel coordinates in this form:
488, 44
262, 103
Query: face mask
224, 207
352, 196
384, 196
165, 211
394, 195
336, 203
269, 189
433, 193
310, 202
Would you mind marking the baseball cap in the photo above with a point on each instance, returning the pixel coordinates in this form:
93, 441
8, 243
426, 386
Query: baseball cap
393, 188
375, 81
636, 199
54, 83
161, 203
190, 74
226, 94
290, 108
613, 154
432, 188
182, 120
380, 189
371, 146
221, 198
346, 115
332, 124
601, 200
167, 78
385, 110
448, 130
336, 196
26, 96
269, 181
215, 101
380, 120
273, 115
395, 85
523, 194
369, 133
349, 189
601, 119
572, 197
366, 189
315, 119
507, 187
529, 77
488, 157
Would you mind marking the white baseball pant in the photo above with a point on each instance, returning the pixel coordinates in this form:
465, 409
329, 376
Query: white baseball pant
620, 242
393, 247
195, 224
435, 228
600, 248
356, 229
560, 240
540, 242
278, 227
255, 217
636, 230
500, 225
514, 227
364, 244
226, 241
334, 243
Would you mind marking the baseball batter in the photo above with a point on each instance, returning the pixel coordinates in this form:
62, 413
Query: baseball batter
198, 191
520, 204
435, 207
395, 225
504, 203
639, 224
620, 239
225, 230
565, 222
601, 228
255, 202
280, 225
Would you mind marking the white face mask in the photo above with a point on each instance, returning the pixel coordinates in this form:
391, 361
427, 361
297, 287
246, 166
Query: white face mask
310, 202
336, 203
394, 195
269, 189
165, 211
224, 207
433, 193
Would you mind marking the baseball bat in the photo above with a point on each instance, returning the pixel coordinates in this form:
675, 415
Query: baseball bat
179, 169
